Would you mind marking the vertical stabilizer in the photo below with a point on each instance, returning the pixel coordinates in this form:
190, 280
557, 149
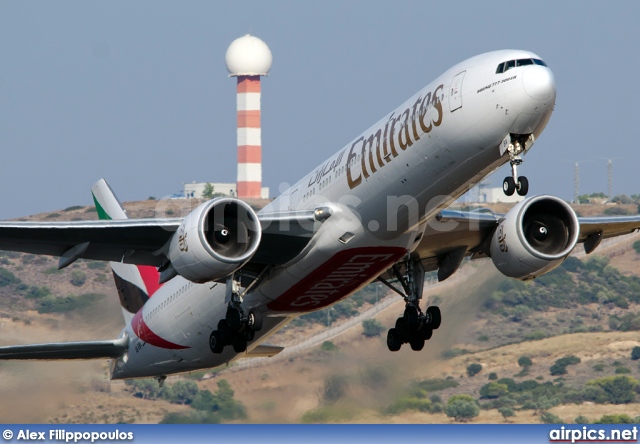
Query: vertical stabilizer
135, 283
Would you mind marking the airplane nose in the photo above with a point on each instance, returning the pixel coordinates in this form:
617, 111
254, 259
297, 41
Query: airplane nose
538, 82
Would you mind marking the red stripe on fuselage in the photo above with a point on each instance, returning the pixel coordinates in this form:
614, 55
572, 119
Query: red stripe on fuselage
142, 330
341, 275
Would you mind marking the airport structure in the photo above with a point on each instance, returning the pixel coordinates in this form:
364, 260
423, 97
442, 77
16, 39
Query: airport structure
485, 193
248, 58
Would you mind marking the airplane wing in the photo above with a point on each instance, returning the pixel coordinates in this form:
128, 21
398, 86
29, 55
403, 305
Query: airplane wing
452, 236
455, 235
67, 350
141, 241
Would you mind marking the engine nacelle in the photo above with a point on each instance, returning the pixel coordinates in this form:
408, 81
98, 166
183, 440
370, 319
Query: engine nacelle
534, 237
214, 240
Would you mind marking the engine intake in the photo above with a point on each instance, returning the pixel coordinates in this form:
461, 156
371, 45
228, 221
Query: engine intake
534, 237
214, 240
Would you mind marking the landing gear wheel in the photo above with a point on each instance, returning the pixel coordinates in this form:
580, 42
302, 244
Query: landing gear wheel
224, 332
417, 343
239, 344
435, 318
393, 340
411, 318
426, 333
523, 186
402, 331
234, 318
255, 320
509, 186
249, 335
215, 342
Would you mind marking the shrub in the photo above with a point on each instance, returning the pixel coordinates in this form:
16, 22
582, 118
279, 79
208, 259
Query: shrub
622, 371
473, 369
372, 328
7, 278
560, 366
635, 353
183, 392
507, 412
335, 387
409, 403
326, 414
462, 408
525, 361
51, 304
636, 244
34, 292
615, 419
73, 207
493, 376
493, 390
221, 403
453, 352
329, 346
618, 389
616, 211
78, 278
435, 384
550, 418
581, 420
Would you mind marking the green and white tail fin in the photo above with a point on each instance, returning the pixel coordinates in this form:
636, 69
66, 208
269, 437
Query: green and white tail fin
135, 283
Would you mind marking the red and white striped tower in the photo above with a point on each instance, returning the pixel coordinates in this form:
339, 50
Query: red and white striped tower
248, 58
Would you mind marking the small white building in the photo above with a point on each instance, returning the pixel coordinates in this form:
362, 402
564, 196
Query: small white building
496, 195
195, 190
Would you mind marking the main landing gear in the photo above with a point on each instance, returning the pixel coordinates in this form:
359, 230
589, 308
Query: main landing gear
514, 183
414, 327
238, 327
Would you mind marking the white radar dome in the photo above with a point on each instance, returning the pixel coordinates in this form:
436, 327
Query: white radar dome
248, 56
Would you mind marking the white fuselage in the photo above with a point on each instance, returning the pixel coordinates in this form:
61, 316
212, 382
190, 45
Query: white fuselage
382, 188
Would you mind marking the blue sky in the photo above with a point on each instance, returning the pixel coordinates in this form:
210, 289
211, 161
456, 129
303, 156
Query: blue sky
138, 93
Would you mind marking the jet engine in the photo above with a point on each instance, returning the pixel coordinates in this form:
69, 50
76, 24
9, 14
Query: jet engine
534, 237
214, 240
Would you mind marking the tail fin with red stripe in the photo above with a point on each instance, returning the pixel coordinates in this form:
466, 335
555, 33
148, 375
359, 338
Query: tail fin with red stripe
135, 283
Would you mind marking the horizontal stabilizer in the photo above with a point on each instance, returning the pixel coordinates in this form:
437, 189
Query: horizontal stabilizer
264, 351
67, 350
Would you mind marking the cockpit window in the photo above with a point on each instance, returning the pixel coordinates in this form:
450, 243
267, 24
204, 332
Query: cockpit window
506, 66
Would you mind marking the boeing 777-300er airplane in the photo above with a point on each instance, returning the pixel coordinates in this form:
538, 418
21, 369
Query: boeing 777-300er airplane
204, 290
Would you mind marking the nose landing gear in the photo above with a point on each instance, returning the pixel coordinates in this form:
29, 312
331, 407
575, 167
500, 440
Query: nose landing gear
514, 183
